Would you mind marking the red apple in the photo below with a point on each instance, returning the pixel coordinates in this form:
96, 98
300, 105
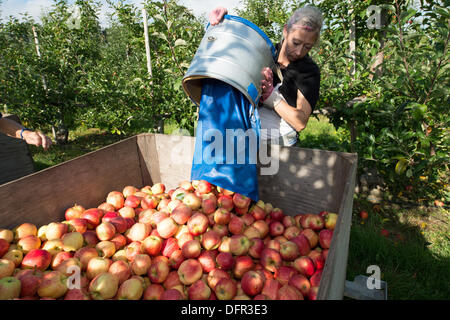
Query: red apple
236, 225
79, 224
55, 230
305, 266
153, 292
127, 212
159, 270
138, 232
303, 244
60, 257
105, 231
239, 245
225, 261
316, 222
14, 255
199, 290
157, 217
325, 237
257, 212
158, 188
284, 273
300, 282
242, 265
197, 223
256, 247
73, 212
291, 232
25, 229
312, 236
190, 271
169, 246
289, 251
220, 229
53, 285
192, 200
37, 258
191, 249
209, 203
106, 248
132, 249
252, 283
176, 259
262, 227
270, 289
28, 243
277, 214
30, 280
270, 259
225, 289
276, 228
317, 258
116, 199
241, 201
181, 213
288, 292
152, 245
93, 217
225, 202
315, 278
210, 240
172, 294
207, 259
85, 254
222, 216
121, 270
97, 265
312, 293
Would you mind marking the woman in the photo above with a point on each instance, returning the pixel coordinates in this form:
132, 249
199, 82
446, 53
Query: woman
290, 91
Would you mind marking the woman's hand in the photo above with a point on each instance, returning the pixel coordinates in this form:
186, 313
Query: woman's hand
216, 15
37, 138
266, 83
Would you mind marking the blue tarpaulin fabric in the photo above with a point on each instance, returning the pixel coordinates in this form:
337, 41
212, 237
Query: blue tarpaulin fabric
227, 139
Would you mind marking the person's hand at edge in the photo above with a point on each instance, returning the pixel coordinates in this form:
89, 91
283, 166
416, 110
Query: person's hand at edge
216, 15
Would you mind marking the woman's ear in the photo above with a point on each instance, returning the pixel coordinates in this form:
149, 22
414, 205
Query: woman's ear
285, 31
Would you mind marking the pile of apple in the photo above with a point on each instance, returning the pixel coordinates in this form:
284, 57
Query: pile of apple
197, 241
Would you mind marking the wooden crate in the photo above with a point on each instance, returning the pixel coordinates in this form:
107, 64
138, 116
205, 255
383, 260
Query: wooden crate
308, 181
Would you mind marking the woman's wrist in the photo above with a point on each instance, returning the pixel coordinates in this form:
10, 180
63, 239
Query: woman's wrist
21, 134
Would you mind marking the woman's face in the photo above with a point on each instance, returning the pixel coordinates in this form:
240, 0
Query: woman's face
298, 42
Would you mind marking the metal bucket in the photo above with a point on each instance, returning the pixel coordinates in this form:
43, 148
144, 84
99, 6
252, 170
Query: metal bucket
234, 51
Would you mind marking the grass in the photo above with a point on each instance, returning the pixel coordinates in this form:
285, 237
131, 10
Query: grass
414, 259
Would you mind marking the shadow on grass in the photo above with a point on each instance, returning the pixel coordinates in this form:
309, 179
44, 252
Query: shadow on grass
323, 141
413, 267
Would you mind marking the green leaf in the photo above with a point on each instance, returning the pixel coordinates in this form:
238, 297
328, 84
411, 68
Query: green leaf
401, 166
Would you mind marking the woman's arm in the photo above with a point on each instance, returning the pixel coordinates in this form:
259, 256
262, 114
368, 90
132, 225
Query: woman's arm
297, 117
14, 129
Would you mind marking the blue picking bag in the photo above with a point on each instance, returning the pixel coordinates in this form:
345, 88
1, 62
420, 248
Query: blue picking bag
227, 139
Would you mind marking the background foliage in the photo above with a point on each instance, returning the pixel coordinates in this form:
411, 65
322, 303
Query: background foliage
97, 77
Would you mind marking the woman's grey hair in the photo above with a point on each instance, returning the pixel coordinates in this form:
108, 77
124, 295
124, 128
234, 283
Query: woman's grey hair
307, 17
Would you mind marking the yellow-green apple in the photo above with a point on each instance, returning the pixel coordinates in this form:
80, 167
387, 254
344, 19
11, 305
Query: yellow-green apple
158, 188
225, 289
191, 249
251, 232
274, 244
25, 229
9, 288
104, 286
52, 246
172, 294
60, 257
78, 224
225, 244
93, 217
169, 246
131, 289
270, 259
198, 223
55, 230
242, 265
6, 268
116, 199
289, 251
215, 275
304, 246
236, 225
85, 254
284, 273
192, 200
53, 285
220, 229
288, 292
331, 219
72, 241
127, 212
312, 293
199, 290
222, 216
159, 270
28, 243
277, 214
132, 249
300, 282
106, 248
209, 203
262, 228
276, 228
317, 258
97, 265
252, 283
315, 278
37, 259
305, 266
121, 269
167, 228
325, 237
268, 208
153, 292
225, 202
225, 261
210, 240
14, 255
90, 238
190, 271
129, 190
270, 289
152, 245
119, 241
73, 212
241, 201
29, 280
105, 231
239, 245
138, 232
7, 235
256, 247
175, 259
120, 255
312, 236
291, 232
181, 213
